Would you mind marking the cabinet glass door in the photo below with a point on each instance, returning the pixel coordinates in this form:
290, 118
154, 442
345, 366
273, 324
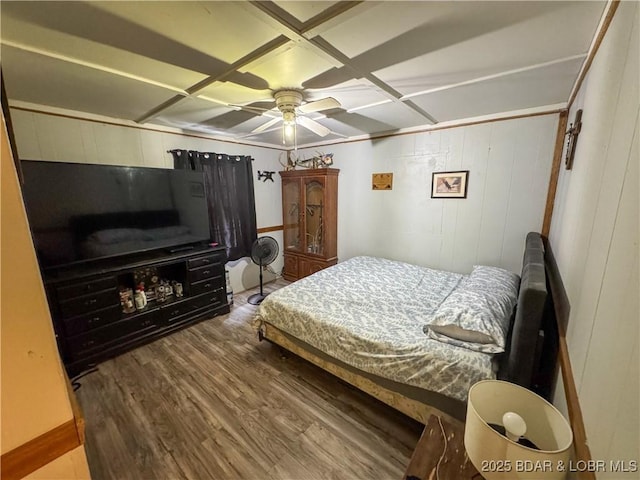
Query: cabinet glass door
291, 214
314, 216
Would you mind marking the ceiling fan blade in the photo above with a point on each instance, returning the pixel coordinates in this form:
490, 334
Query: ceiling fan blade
314, 126
322, 104
251, 134
257, 108
264, 126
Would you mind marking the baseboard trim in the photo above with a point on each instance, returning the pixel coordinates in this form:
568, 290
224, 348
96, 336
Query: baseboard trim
36, 453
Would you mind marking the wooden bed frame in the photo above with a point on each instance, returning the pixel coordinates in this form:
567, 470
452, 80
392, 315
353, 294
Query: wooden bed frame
532, 342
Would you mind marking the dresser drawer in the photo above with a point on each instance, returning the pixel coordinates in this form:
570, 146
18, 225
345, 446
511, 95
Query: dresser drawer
210, 300
207, 285
84, 288
115, 332
176, 311
216, 259
208, 271
89, 303
99, 318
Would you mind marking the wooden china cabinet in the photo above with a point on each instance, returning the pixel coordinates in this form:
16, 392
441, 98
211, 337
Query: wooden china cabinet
310, 217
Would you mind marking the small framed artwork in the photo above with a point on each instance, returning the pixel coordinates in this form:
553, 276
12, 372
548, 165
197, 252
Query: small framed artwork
382, 181
450, 184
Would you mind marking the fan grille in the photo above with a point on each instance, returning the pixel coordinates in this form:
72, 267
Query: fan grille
264, 250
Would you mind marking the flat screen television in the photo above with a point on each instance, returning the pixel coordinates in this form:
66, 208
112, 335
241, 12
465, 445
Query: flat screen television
82, 212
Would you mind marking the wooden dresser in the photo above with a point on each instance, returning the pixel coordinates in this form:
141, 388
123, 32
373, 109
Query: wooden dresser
310, 217
88, 317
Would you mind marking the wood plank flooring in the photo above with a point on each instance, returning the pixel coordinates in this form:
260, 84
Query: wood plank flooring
211, 402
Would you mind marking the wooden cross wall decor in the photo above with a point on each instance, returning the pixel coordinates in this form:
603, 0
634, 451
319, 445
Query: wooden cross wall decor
573, 132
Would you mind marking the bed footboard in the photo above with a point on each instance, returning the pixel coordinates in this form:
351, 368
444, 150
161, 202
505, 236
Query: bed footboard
415, 409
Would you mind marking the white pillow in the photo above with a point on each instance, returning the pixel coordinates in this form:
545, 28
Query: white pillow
477, 314
493, 279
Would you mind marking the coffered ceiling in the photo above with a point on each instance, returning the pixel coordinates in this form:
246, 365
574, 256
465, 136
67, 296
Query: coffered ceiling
213, 67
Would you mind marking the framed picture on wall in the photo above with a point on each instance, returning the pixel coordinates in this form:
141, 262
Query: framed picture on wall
450, 184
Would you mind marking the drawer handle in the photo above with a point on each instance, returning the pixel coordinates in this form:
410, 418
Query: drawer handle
91, 301
206, 272
174, 313
89, 343
206, 260
94, 319
207, 285
146, 323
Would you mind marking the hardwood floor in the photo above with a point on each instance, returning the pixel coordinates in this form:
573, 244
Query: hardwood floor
211, 402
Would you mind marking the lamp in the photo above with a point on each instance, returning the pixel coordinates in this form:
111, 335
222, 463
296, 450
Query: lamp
512, 433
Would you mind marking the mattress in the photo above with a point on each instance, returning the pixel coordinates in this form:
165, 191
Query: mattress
369, 313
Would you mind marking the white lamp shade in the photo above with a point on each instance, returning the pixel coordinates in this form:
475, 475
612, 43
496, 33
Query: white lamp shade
494, 455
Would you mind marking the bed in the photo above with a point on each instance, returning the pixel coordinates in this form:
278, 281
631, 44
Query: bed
401, 332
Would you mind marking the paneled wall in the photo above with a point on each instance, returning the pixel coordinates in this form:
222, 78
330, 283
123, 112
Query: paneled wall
594, 235
509, 164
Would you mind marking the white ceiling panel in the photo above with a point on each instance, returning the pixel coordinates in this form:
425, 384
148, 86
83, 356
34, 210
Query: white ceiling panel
395, 114
355, 123
41, 80
198, 26
562, 39
232, 93
192, 110
304, 11
544, 86
288, 66
38, 36
384, 22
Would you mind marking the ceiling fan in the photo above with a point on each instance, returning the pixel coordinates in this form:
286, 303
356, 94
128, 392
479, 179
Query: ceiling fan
289, 102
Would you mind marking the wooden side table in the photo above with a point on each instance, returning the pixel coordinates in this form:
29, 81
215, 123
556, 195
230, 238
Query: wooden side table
441, 457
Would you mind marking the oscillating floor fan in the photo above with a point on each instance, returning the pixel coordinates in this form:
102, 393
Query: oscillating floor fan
263, 251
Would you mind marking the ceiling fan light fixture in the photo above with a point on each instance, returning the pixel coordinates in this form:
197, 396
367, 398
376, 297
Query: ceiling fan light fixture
287, 101
289, 117
289, 130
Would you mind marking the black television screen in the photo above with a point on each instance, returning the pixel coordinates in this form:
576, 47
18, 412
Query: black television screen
82, 212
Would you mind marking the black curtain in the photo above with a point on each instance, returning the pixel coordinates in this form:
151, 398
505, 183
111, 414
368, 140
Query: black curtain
230, 196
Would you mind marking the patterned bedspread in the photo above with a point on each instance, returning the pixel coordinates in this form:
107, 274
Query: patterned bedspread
369, 313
